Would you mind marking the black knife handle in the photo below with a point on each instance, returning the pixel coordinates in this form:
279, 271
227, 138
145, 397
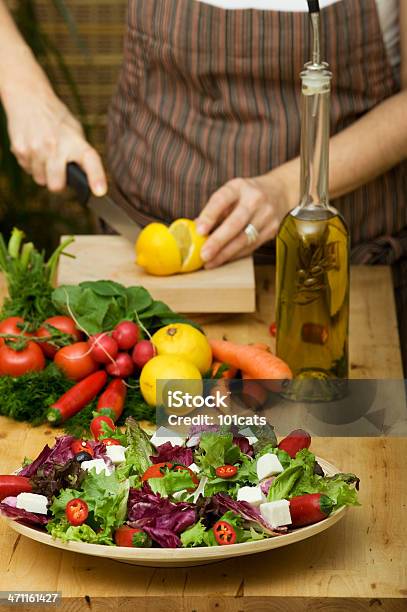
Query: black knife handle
77, 179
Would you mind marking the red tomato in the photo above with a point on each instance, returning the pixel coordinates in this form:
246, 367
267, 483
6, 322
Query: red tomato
129, 537
126, 335
78, 446
157, 471
226, 471
96, 425
77, 511
103, 348
10, 326
63, 324
74, 360
224, 533
17, 363
111, 442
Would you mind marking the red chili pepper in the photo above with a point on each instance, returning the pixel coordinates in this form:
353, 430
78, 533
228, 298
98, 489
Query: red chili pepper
10, 486
79, 446
77, 397
129, 537
295, 441
110, 442
273, 329
77, 511
224, 533
226, 471
310, 508
112, 400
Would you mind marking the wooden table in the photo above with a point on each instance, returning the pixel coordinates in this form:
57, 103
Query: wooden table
359, 564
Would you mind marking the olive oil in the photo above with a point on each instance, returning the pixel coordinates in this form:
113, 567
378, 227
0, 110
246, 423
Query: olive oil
312, 253
313, 295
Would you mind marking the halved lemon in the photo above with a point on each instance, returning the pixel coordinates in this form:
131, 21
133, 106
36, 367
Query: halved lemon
189, 243
157, 251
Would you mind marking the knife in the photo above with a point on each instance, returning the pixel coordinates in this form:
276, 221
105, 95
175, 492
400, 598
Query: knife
103, 207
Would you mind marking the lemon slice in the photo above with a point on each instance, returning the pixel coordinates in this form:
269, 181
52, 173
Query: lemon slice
189, 243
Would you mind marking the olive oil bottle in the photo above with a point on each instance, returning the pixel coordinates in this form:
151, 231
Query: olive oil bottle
312, 281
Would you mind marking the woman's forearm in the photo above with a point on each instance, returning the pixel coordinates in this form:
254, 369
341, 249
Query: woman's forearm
369, 147
18, 67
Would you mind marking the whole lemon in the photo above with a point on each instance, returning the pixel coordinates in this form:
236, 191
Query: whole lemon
157, 250
185, 341
176, 374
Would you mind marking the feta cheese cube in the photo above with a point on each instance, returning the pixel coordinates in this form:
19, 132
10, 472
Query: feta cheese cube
252, 495
247, 433
163, 435
32, 502
268, 465
116, 453
276, 513
98, 464
195, 468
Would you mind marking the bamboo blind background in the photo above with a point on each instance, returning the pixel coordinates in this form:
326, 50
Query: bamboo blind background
95, 68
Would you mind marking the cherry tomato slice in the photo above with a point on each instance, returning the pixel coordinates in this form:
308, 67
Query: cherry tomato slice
77, 511
157, 471
110, 442
226, 471
78, 446
224, 533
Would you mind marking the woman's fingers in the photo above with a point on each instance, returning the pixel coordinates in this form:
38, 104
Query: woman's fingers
93, 167
216, 207
56, 173
231, 227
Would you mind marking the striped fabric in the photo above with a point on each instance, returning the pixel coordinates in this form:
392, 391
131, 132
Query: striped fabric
207, 94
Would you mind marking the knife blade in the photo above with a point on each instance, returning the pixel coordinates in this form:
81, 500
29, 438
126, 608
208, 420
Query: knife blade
103, 207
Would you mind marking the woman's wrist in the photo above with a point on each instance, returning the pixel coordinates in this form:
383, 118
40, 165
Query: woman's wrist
282, 186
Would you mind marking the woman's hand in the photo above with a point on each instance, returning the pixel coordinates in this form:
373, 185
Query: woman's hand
45, 136
262, 202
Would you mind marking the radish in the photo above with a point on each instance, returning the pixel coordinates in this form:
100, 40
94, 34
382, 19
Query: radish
122, 367
103, 348
143, 352
126, 335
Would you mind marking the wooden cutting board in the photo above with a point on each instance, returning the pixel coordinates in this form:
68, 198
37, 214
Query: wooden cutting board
230, 288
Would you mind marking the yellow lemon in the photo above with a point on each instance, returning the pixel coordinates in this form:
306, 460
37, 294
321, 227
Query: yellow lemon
185, 341
189, 242
175, 374
157, 250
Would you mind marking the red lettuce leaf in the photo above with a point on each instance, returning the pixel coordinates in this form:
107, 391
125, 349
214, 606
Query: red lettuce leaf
224, 503
59, 454
162, 519
173, 454
22, 516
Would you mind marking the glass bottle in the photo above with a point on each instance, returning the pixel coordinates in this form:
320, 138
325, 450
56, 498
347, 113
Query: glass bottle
312, 252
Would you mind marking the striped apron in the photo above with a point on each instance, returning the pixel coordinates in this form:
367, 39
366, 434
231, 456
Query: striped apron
206, 94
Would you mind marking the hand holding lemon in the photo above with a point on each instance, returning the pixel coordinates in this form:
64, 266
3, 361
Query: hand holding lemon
163, 250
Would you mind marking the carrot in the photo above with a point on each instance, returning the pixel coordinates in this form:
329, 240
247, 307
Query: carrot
261, 346
256, 363
254, 392
227, 373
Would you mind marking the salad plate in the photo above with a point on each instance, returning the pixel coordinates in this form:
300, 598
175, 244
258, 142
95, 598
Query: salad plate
186, 557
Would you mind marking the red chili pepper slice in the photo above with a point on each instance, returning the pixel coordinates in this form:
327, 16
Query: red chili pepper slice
79, 446
226, 471
77, 511
224, 533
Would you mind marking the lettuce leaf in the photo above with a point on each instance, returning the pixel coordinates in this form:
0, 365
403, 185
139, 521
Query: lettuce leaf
283, 484
139, 450
171, 482
215, 449
194, 535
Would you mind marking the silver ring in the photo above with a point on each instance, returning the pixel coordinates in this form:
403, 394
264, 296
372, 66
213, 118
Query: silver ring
251, 233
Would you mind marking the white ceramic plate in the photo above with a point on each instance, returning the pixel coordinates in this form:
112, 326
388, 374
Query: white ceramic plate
184, 557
